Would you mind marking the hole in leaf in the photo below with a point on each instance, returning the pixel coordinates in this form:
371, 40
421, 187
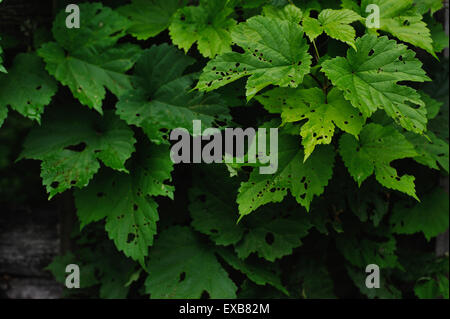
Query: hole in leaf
205, 295
270, 239
130, 237
76, 148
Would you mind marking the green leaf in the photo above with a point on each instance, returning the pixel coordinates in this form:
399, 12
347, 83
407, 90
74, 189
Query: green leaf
89, 59
273, 233
207, 24
428, 272
310, 278
433, 106
27, 88
213, 207
258, 272
290, 13
370, 202
385, 291
377, 148
351, 5
125, 200
440, 37
87, 271
270, 232
361, 252
322, 113
432, 151
275, 52
429, 217
402, 19
249, 290
306, 6
102, 266
335, 23
181, 266
150, 18
305, 180
423, 6
369, 80
70, 143
430, 288
317, 283
162, 98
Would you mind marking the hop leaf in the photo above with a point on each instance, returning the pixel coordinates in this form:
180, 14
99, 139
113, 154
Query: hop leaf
432, 151
304, 180
181, 266
370, 202
162, 99
27, 88
423, 6
362, 252
258, 272
369, 79
429, 217
386, 290
126, 203
149, 18
440, 37
207, 24
89, 59
275, 52
271, 232
70, 144
432, 288
335, 23
377, 148
102, 266
290, 13
323, 113
212, 205
314, 279
402, 19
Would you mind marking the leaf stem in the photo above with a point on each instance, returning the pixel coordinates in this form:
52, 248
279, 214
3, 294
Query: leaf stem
317, 51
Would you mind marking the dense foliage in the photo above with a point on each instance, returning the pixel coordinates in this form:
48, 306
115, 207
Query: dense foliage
363, 145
